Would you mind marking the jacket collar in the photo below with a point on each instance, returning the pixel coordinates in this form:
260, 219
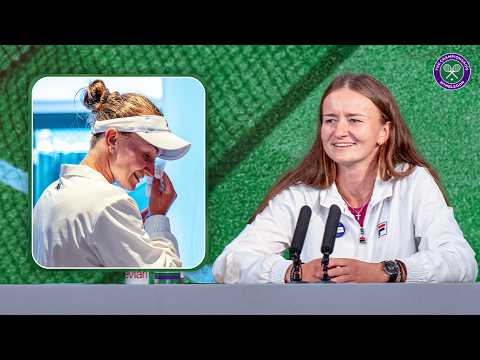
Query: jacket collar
381, 190
68, 170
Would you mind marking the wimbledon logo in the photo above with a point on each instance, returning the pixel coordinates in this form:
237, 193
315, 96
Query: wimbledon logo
451, 71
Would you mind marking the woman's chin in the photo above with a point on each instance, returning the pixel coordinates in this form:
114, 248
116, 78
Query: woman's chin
342, 159
346, 161
130, 186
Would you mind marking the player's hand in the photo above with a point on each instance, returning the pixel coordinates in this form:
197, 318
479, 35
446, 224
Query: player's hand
342, 270
160, 201
310, 271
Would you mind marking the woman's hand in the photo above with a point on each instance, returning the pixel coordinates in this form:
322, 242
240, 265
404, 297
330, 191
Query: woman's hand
160, 201
351, 270
311, 271
342, 270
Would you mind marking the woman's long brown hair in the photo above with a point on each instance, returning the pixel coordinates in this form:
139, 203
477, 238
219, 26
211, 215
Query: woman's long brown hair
319, 171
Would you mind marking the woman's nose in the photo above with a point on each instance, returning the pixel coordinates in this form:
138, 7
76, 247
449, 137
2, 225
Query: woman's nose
342, 128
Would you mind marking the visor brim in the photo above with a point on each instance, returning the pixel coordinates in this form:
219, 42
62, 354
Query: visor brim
173, 147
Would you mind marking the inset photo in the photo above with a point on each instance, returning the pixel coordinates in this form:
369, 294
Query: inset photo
118, 172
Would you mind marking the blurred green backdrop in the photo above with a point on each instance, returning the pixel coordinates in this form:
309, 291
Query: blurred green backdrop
262, 108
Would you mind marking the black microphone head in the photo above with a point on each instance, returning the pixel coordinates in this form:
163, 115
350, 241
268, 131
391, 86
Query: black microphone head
331, 229
300, 231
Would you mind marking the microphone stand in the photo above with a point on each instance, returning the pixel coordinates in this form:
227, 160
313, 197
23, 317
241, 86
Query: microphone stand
325, 261
297, 266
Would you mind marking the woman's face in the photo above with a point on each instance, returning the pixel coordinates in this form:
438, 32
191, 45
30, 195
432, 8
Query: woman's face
351, 128
132, 159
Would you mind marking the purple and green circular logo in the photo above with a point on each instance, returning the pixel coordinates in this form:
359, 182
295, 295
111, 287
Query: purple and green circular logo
451, 71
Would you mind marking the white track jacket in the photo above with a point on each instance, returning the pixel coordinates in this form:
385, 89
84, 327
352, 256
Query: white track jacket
407, 219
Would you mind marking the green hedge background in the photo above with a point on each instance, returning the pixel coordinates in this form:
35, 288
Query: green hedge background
262, 108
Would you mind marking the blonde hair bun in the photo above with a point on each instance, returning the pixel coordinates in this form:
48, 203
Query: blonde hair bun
96, 95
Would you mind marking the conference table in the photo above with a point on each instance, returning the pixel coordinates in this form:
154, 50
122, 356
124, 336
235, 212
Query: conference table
243, 299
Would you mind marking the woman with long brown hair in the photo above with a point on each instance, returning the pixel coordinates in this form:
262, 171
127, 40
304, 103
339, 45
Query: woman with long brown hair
395, 225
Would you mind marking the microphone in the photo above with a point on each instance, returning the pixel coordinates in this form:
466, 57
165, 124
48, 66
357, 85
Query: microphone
300, 231
329, 238
298, 239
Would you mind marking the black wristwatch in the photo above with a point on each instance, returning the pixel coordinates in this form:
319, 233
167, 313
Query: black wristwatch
392, 269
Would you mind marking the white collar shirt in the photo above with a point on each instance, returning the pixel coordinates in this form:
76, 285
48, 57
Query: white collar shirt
407, 219
83, 221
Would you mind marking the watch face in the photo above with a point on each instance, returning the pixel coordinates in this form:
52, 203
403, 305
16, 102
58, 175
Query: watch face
391, 267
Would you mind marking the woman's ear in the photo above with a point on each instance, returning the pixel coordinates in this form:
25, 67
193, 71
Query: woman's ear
384, 133
111, 139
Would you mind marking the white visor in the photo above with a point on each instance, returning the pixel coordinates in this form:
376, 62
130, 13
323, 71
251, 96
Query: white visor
153, 129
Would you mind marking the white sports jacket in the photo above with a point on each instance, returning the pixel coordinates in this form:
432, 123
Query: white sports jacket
407, 219
81, 220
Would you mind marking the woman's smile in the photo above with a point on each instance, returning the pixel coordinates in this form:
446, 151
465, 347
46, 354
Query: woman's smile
343, 145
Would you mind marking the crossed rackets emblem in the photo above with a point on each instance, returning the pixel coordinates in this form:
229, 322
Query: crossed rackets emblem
451, 70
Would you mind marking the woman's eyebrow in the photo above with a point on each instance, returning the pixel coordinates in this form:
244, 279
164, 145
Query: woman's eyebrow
151, 150
356, 114
349, 114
